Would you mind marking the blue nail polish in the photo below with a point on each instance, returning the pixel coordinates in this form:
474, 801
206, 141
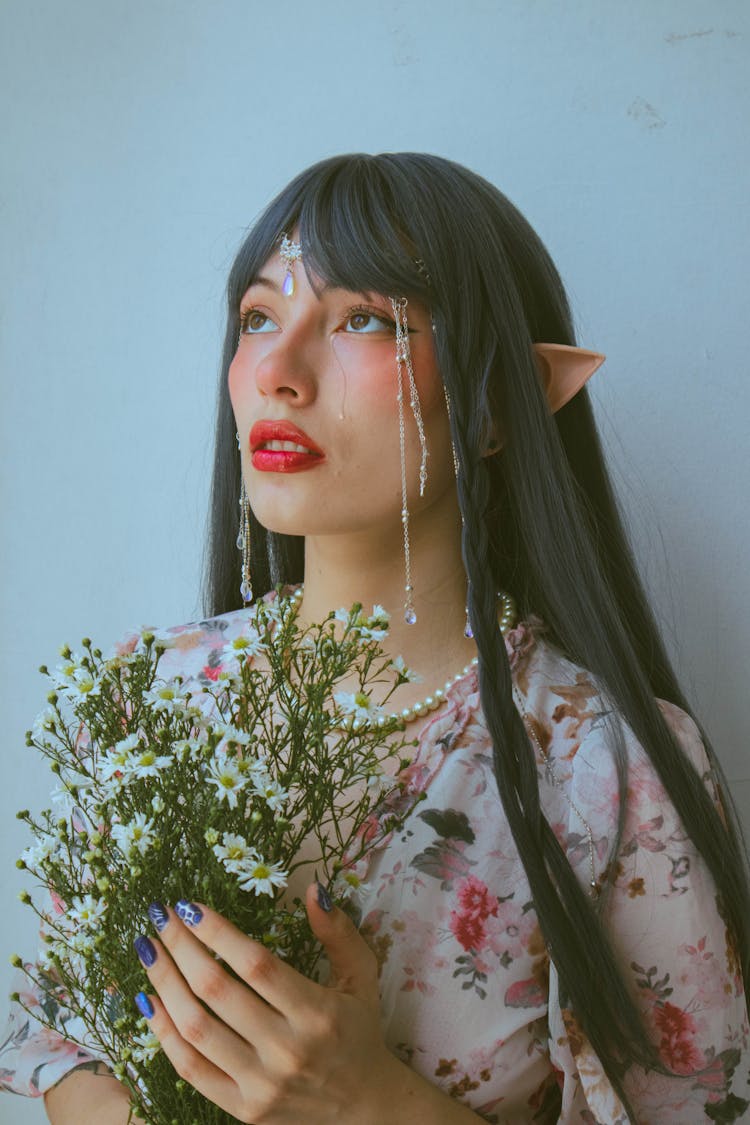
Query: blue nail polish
145, 950
144, 1005
158, 916
324, 899
188, 912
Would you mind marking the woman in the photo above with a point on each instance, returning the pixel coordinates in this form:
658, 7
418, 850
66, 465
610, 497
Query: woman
561, 932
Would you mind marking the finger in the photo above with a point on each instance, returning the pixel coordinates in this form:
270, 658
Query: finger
196, 1026
286, 990
354, 966
231, 1000
191, 1065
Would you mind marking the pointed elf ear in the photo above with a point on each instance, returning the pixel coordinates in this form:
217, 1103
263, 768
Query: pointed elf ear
564, 370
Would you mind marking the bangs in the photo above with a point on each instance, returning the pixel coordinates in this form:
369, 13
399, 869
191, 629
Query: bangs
352, 222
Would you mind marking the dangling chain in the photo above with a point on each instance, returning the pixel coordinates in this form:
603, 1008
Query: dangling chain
403, 355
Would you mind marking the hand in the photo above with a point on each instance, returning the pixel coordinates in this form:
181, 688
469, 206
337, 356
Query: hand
278, 1049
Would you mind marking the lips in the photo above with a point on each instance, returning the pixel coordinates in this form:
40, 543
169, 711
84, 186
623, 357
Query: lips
267, 431
275, 460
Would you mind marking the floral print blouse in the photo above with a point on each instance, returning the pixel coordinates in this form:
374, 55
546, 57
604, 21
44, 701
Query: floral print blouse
469, 996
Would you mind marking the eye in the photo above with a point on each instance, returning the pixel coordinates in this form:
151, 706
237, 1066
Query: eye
362, 322
253, 322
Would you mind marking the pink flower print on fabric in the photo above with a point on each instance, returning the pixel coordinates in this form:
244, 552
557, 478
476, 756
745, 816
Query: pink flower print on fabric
520, 641
676, 1046
468, 925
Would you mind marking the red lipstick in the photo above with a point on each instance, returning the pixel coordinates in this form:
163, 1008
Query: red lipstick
282, 460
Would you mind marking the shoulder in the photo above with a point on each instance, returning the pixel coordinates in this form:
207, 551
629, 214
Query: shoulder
590, 761
572, 719
195, 650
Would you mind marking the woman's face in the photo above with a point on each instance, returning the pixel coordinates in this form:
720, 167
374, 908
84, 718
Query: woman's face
327, 363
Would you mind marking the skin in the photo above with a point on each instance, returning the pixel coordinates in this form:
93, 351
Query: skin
280, 1049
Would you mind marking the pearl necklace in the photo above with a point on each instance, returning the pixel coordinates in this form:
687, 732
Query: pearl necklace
507, 617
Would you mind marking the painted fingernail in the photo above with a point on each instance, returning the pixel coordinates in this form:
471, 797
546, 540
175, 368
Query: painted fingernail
144, 1005
188, 911
144, 947
324, 899
158, 916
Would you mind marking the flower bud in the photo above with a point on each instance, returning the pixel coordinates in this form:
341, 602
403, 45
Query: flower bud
86, 642
24, 896
52, 697
103, 884
44, 669
23, 814
21, 864
16, 961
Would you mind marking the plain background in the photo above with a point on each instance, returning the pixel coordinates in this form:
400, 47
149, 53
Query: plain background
141, 138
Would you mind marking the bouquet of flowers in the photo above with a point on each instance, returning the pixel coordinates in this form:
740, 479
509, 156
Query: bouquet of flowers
161, 789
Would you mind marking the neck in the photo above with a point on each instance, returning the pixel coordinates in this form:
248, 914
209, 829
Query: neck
360, 567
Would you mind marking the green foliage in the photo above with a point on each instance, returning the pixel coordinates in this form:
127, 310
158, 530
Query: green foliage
164, 793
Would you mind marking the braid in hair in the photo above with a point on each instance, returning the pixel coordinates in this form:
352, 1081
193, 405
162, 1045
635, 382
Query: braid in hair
564, 909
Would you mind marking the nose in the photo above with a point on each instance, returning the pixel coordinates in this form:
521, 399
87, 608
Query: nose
287, 371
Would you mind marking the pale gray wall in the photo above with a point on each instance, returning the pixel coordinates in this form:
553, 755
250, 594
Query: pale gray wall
140, 138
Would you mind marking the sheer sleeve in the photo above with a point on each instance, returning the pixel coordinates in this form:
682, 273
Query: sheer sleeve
665, 924
32, 1057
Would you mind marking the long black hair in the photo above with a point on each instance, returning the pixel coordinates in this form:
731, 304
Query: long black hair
540, 519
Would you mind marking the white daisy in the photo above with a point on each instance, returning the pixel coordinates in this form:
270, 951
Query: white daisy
87, 911
271, 792
145, 1046
404, 672
358, 705
233, 734
247, 644
137, 835
261, 877
168, 697
117, 759
225, 775
147, 763
350, 886
376, 625
36, 854
234, 851
44, 724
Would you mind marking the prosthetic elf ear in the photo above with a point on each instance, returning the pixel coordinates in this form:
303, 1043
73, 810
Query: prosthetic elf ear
564, 370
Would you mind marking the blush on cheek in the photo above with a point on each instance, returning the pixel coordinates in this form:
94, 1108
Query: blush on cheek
233, 378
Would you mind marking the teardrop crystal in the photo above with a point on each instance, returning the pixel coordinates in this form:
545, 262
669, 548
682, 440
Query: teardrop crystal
240, 542
410, 617
246, 591
288, 286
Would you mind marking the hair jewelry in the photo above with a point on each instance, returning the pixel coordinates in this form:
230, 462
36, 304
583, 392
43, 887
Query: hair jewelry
403, 357
243, 538
290, 252
467, 629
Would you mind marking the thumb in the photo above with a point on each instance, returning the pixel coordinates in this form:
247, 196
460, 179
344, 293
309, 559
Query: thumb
354, 966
